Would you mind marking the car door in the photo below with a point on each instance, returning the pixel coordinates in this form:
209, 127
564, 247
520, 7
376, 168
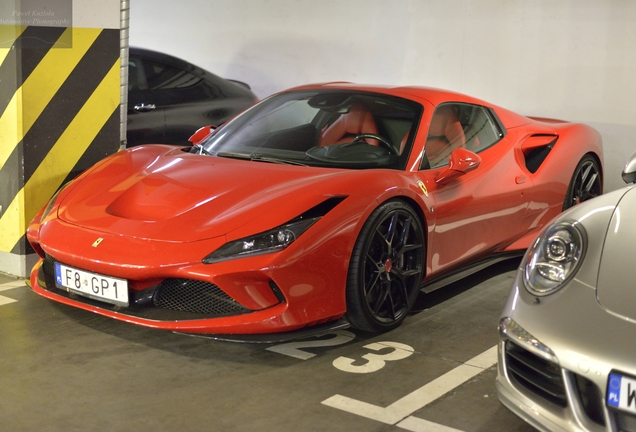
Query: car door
171, 102
194, 102
484, 208
146, 118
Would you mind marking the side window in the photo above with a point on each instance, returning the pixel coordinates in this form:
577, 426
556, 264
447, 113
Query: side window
445, 134
480, 129
163, 76
458, 125
136, 80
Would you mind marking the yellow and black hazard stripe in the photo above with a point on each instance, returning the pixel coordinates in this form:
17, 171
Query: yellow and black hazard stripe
59, 114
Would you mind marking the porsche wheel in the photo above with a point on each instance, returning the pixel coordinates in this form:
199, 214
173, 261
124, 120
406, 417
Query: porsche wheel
586, 182
386, 268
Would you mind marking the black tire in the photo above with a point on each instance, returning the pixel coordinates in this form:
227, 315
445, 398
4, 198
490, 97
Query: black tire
386, 268
586, 182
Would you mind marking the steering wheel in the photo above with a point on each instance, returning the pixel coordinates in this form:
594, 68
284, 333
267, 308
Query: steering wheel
392, 149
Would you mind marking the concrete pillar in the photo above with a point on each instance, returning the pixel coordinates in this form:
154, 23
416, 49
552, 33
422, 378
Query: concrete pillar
60, 77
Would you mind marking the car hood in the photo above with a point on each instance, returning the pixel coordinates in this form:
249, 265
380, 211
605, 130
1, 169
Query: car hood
162, 193
616, 286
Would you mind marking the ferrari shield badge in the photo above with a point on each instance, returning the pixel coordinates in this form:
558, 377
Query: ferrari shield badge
422, 186
97, 242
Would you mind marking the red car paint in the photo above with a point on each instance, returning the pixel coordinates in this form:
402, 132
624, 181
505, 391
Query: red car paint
159, 211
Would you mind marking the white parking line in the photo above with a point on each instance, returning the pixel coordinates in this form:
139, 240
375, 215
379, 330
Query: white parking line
419, 398
7, 286
10, 285
415, 424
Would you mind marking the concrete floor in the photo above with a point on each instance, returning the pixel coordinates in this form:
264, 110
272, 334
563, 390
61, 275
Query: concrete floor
63, 369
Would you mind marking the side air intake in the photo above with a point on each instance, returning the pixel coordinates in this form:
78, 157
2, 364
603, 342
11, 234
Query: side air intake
536, 149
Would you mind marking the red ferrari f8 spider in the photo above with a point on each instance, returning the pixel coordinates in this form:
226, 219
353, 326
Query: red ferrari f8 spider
322, 204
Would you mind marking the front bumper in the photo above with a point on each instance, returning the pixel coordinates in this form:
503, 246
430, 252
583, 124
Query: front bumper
269, 293
215, 313
561, 412
561, 386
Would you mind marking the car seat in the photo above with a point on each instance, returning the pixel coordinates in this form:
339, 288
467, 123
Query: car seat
357, 121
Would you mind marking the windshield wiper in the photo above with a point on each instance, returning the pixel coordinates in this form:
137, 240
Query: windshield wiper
261, 158
258, 158
234, 155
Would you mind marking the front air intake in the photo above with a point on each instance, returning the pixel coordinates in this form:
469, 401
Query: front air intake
536, 374
189, 295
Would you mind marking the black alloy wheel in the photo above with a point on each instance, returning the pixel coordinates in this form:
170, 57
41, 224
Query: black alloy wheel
586, 183
386, 268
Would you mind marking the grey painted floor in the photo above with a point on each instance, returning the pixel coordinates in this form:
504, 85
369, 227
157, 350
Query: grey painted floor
63, 369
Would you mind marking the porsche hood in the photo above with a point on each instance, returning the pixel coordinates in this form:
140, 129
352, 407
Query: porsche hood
162, 193
616, 287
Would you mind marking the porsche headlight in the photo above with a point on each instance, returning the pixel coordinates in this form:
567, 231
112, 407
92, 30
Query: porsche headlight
270, 241
554, 258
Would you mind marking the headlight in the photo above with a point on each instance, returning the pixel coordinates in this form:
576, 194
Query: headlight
270, 241
554, 257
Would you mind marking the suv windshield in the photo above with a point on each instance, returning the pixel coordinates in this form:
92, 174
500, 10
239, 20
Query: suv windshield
340, 129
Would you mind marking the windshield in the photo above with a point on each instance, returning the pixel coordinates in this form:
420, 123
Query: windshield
340, 129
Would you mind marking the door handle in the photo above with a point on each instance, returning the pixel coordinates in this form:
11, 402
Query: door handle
142, 107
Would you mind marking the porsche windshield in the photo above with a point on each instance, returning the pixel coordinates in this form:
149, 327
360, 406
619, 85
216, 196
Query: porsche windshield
340, 129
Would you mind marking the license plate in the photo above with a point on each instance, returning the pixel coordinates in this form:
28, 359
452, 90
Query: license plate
621, 392
96, 286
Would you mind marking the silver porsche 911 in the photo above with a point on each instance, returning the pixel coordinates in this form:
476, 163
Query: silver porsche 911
567, 354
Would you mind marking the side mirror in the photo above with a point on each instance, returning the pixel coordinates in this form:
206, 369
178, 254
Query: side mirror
460, 162
201, 134
629, 172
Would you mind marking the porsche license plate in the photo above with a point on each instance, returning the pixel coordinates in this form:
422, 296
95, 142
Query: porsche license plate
621, 392
96, 286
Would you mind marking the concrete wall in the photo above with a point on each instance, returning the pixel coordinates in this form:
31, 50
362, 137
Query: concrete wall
569, 59
59, 106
